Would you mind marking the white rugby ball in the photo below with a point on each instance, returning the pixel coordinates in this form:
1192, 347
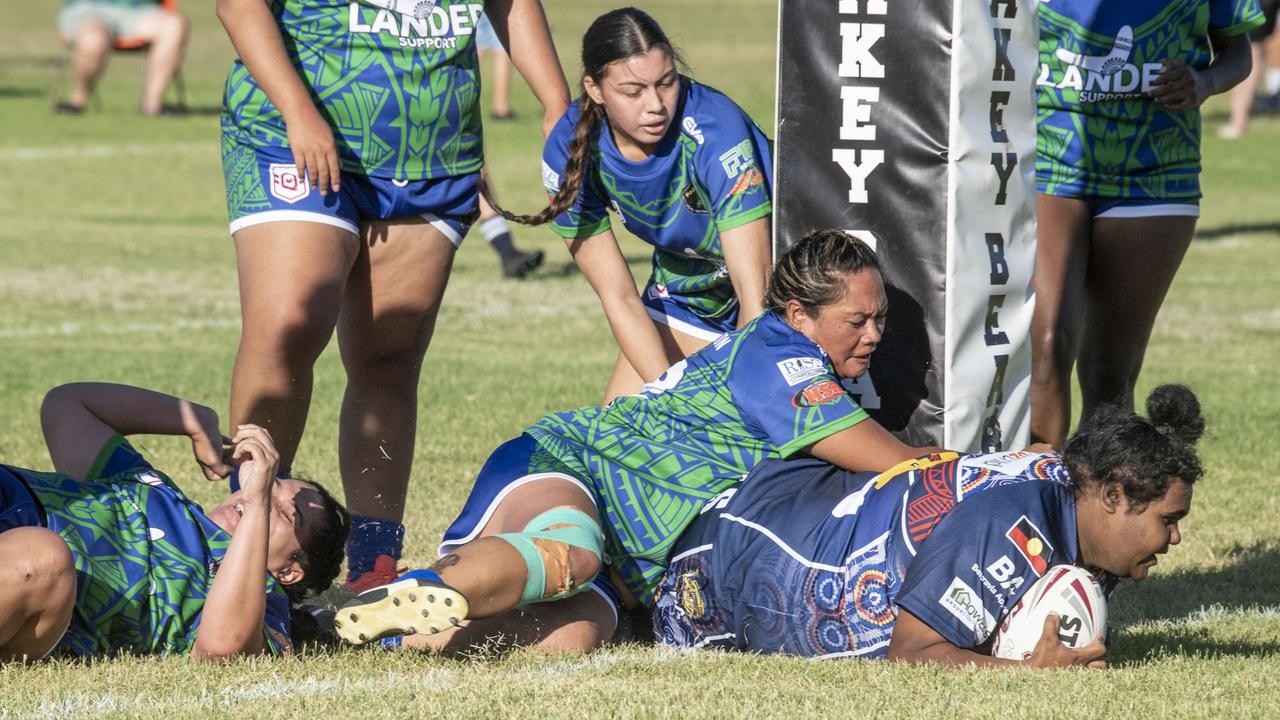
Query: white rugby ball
1070, 592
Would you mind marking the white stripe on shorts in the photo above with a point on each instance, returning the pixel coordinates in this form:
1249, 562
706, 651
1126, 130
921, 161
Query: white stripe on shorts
682, 326
1141, 211
292, 215
445, 228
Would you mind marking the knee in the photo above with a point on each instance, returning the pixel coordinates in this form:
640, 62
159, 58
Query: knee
91, 36
41, 562
293, 332
563, 550
383, 363
173, 28
579, 637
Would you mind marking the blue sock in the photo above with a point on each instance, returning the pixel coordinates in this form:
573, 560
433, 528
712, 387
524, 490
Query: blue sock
371, 537
233, 480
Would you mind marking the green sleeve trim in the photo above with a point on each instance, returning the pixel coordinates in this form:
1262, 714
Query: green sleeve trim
582, 231
100, 461
824, 431
758, 212
1241, 27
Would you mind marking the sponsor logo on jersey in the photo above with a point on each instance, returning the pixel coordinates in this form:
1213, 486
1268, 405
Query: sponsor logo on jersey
550, 178
691, 128
871, 598
689, 595
823, 392
1109, 76
658, 291
797, 370
1031, 543
738, 158
752, 178
961, 601
285, 183
417, 23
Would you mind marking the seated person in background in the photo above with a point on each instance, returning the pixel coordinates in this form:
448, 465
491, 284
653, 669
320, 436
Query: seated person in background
93, 28
106, 554
807, 559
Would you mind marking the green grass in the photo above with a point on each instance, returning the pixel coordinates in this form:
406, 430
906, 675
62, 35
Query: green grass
119, 268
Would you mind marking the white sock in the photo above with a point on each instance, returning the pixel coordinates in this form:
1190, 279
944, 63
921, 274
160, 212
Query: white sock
1271, 81
494, 227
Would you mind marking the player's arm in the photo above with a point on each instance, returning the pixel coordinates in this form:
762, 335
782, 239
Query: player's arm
914, 641
257, 40
232, 619
748, 253
79, 418
533, 54
601, 261
865, 447
1181, 87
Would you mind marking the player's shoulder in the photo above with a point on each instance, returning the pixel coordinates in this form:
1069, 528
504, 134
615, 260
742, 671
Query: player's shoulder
705, 103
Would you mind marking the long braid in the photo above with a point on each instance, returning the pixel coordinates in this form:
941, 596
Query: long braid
575, 170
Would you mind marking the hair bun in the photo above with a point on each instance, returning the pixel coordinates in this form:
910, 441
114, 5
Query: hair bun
1175, 409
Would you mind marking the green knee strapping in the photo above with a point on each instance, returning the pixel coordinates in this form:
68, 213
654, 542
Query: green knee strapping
580, 531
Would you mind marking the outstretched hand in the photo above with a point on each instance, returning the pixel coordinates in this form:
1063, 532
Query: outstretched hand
1180, 86
1050, 652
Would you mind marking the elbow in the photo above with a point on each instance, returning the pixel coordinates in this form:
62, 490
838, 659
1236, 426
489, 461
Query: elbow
225, 12
218, 651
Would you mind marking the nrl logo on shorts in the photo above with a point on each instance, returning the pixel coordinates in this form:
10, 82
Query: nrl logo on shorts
419, 9
285, 183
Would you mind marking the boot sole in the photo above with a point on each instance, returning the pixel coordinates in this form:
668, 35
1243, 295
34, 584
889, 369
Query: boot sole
406, 607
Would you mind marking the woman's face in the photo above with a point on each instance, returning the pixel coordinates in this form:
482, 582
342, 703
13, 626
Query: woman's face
849, 329
639, 95
1126, 543
295, 506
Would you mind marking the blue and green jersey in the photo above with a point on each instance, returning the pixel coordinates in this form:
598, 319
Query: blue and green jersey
1099, 132
398, 81
654, 459
145, 556
712, 172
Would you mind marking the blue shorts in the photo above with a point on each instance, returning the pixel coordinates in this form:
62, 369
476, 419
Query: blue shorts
18, 507
1115, 207
486, 38
670, 310
263, 186
509, 467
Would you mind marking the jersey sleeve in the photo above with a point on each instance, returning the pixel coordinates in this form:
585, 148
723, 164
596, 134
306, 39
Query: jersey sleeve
1233, 17
976, 565
790, 396
115, 457
734, 164
589, 214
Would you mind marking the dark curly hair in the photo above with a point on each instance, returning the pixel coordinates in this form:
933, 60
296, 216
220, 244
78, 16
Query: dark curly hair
322, 548
1144, 454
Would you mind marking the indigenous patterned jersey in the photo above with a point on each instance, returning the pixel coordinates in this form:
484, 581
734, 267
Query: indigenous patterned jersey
1099, 133
397, 80
806, 559
764, 391
712, 172
145, 556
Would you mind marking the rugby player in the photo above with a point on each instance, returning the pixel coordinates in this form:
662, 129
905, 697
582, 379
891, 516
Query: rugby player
108, 555
922, 563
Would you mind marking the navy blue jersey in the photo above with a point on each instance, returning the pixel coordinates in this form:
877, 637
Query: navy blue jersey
807, 559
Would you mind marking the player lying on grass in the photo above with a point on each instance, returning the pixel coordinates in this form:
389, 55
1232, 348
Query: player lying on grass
922, 565
107, 555
624, 481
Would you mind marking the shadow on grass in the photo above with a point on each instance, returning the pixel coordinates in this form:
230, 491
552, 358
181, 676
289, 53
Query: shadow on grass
8, 91
1185, 641
1217, 233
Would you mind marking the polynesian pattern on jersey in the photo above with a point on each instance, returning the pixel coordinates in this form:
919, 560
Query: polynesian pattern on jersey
399, 89
141, 580
1093, 101
655, 461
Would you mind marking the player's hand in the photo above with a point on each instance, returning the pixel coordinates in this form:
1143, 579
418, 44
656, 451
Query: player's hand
209, 445
1050, 652
258, 460
315, 155
1179, 86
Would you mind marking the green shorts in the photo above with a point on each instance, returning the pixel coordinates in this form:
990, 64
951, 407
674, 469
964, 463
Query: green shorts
121, 20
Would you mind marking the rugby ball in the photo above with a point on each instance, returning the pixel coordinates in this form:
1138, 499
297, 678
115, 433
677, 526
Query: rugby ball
1066, 590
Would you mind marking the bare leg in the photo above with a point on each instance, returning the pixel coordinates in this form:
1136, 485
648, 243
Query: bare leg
387, 319
1132, 262
626, 381
90, 47
291, 284
1241, 97
501, 66
37, 592
491, 575
167, 33
1062, 251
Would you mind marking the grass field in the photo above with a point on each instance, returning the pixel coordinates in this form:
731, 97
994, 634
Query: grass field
117, 266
